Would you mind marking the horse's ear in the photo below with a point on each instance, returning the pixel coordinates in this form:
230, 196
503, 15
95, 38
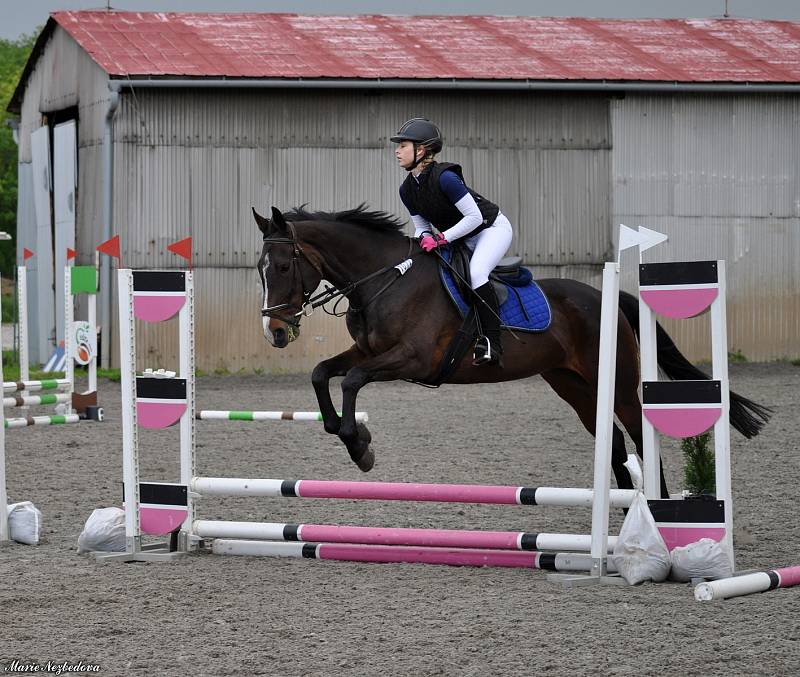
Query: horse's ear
278, 221
263, 223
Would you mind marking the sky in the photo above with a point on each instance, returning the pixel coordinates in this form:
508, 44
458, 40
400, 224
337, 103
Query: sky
18, 17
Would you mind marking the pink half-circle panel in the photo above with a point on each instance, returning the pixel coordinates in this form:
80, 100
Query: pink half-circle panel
157, 415
160, 521
683, 422
677, 537
157, 308
679, 303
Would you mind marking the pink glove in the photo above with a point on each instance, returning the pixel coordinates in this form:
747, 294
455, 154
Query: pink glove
430, 242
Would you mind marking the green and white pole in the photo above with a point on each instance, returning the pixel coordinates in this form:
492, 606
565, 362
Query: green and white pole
41, 420
36, 400
213, 415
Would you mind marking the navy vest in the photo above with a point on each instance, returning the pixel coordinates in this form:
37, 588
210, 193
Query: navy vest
424, 196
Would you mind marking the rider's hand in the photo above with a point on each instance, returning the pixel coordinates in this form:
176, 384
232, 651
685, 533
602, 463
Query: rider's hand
429, 242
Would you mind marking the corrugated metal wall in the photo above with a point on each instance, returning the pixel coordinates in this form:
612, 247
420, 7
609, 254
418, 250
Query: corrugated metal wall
721, 176
191, 162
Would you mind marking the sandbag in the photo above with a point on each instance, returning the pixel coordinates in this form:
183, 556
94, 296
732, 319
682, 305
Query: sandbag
706, 558
640, 553
24, 523
104, 531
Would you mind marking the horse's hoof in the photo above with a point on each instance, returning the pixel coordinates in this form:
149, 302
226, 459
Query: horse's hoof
364, 435
366, 461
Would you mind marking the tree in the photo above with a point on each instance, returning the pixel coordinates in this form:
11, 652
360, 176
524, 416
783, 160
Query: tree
13, 57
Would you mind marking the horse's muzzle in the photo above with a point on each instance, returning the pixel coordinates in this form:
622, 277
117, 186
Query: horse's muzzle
281, 335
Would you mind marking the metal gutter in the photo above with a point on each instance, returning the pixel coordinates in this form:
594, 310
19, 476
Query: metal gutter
453, 84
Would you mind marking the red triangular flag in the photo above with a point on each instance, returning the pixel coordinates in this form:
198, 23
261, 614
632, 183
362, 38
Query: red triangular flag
110, 247
71, 254
182, 248
26, 253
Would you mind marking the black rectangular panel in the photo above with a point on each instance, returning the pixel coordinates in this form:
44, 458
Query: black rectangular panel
681, 392
682, 272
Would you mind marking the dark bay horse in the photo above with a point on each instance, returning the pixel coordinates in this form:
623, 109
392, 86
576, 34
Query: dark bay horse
403, 324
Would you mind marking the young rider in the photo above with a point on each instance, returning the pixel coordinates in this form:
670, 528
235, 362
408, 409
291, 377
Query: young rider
435, 194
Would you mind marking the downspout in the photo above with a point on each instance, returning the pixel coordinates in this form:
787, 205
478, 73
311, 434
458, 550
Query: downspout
108, 203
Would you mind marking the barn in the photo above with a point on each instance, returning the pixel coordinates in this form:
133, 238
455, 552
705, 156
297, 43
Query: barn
159, 126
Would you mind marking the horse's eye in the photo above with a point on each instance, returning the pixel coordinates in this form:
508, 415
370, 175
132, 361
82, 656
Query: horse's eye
283, 268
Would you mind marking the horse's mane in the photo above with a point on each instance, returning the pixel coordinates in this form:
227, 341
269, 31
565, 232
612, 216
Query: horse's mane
359, 216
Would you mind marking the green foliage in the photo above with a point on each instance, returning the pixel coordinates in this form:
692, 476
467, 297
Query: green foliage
110, 374
9, 314
796, 363
13, 56
737, 357
11, 369
698, 470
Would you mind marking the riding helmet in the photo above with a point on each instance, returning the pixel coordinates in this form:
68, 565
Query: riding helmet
421, 131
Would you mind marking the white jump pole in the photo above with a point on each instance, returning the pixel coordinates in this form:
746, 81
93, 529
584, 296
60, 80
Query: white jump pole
130, 446
187, 425
4, 535
604, 422
69, 317
22, 319
722, 428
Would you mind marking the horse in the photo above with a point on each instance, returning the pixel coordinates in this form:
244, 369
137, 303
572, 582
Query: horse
402, 325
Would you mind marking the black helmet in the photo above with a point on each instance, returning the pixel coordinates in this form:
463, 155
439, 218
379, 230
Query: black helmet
421, 131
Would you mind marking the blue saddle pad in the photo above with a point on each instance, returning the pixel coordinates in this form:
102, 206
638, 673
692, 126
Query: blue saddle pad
525, 309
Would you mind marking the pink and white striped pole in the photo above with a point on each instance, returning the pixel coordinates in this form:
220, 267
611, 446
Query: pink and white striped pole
747, 584
400, 554
438, 538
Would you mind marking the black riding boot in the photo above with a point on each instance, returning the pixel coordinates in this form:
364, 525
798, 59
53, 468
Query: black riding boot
488, 348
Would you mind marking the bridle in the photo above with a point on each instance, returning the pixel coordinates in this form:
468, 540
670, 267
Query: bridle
310, 303
297, 252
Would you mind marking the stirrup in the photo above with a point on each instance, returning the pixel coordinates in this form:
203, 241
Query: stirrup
484, 353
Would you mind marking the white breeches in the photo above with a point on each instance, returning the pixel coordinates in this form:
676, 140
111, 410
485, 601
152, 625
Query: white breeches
488, 247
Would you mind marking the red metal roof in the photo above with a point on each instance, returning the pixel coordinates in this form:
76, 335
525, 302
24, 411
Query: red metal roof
437, 47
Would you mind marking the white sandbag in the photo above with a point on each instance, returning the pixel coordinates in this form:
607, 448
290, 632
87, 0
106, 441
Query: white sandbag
640, 553
706, 558
104, 531
24, 523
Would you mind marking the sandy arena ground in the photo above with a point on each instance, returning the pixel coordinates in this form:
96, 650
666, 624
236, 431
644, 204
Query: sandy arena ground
207, 615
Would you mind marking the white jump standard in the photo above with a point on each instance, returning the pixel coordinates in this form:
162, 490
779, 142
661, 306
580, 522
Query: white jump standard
146, 295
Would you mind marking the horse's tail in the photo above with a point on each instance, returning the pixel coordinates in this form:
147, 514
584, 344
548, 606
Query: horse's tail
746, 416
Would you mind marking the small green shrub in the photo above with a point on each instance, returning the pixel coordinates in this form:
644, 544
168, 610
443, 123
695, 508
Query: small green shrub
699, 475
737, 357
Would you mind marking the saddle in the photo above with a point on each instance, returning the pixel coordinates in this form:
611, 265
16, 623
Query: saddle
523, 305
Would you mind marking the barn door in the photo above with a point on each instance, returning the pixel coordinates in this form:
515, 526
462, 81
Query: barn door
64, 181
44, 338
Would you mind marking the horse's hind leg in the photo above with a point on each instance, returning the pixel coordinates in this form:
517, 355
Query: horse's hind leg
582, 397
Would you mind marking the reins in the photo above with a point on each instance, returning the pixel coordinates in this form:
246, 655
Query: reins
330, 292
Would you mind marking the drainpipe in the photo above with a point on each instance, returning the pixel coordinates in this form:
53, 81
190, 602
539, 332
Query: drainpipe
108, 202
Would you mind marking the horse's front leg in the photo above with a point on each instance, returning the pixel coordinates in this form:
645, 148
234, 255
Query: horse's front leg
396, 363
338, 365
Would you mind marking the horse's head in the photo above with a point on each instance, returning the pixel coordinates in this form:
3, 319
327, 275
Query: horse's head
288, 278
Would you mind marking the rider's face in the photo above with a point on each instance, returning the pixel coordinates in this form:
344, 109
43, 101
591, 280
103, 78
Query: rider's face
404, 153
